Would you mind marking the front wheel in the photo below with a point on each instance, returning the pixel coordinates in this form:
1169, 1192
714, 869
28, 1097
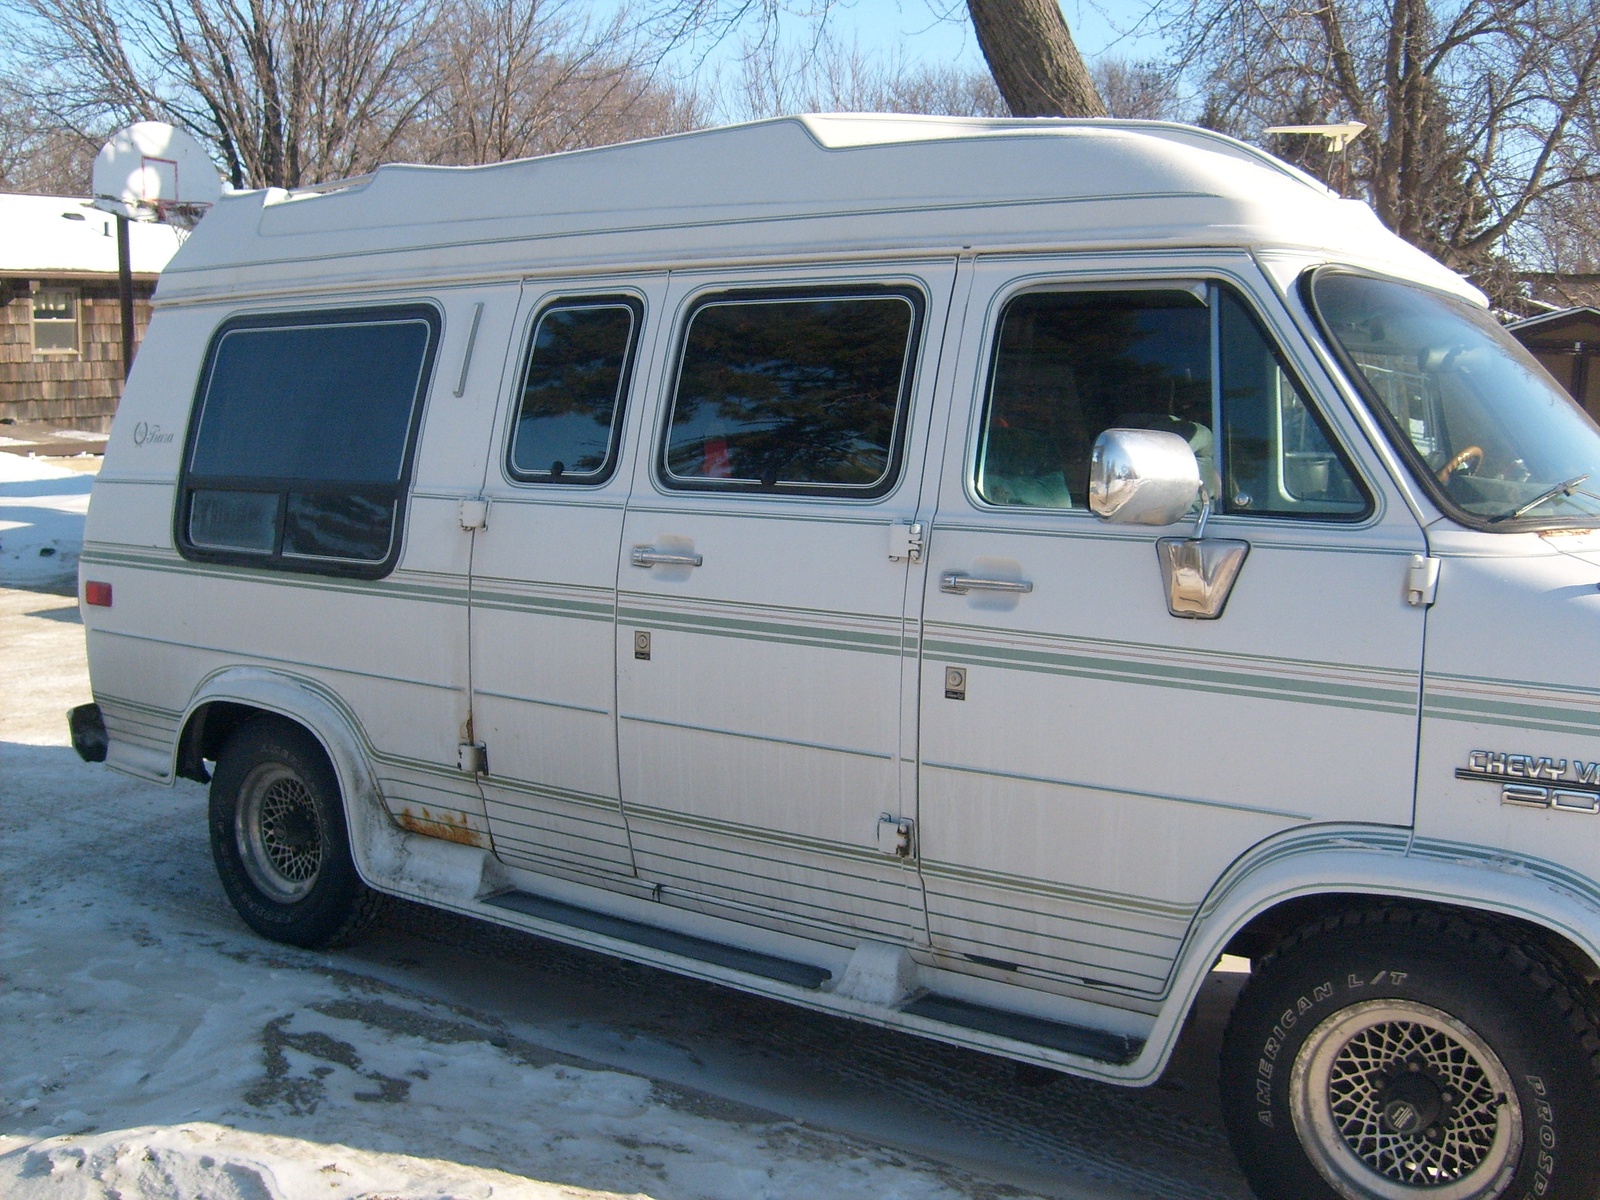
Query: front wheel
279, 839
1396, 1054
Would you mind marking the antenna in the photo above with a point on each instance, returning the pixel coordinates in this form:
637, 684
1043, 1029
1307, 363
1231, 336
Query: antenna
1339, 136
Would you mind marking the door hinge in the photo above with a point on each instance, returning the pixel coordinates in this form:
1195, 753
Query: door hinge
474, 514
905, 541
1422, 581
895, 835
473, 758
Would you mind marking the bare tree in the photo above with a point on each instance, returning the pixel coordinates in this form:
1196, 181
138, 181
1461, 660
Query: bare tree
37, 154
1137, 91
1480, 113
777, 78
1031, 55
286, 91
290, 92
513, 78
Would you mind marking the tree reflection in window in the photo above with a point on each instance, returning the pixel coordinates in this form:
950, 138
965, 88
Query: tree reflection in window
572, 392
801, 393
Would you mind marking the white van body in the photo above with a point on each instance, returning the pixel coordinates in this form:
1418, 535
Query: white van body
916, 755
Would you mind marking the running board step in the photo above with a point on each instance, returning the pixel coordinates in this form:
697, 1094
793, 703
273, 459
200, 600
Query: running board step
767, 966
1070, 1039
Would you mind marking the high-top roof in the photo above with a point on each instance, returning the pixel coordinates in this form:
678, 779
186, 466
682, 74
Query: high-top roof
791, 187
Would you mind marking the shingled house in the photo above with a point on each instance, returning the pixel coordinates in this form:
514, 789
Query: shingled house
60, 319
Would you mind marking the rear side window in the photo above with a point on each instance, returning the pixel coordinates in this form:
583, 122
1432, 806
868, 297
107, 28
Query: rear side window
793, 394
579, 361
301, 442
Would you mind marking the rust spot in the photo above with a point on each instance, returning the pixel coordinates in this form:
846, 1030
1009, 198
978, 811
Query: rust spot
452, 827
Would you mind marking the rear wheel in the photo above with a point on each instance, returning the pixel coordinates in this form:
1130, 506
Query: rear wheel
1397, 1054
279, 839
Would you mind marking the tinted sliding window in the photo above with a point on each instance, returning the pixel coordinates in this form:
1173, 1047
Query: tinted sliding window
569, 419
799, 394
1069, 365
302, 437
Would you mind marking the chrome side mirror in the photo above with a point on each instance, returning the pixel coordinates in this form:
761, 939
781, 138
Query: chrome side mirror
1142, 477
1149, 477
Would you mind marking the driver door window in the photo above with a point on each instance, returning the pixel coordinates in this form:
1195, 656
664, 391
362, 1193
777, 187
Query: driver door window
1069, 365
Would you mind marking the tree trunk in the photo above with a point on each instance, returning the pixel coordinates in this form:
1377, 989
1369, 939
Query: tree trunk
1033, 59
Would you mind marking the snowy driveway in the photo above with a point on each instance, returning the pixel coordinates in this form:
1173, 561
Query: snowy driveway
153, 1047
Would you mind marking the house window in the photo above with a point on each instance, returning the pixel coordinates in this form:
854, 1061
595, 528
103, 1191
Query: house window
55, 321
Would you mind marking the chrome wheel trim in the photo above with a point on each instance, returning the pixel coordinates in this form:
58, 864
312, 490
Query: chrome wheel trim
1336, 1094
278, 833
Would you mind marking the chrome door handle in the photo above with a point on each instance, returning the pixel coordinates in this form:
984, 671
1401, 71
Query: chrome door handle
958, 584
649, 556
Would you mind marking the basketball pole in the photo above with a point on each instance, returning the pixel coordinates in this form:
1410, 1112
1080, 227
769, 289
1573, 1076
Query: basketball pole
125, 288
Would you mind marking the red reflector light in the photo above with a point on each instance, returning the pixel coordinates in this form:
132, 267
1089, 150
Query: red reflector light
97, 594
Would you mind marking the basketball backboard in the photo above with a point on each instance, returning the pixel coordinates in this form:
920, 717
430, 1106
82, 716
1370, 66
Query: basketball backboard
151, 171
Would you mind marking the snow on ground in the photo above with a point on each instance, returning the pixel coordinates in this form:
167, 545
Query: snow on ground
42, 504
155, 1049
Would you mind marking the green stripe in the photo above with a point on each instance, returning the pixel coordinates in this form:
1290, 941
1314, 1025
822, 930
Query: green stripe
398, 586
1186, 676
884, 755
1511, 714
785, 633
1022, 885
537, 791
1116, 791
758, 835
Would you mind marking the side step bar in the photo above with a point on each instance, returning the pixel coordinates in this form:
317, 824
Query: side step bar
932, 1012
767, 966
1071, 1039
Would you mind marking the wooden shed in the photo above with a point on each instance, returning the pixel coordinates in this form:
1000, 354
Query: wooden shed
1568, 344
60, 318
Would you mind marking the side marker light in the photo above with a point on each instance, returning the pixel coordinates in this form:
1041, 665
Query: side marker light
97, 594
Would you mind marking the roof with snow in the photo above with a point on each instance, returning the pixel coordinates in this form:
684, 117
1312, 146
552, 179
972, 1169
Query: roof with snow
66, 235
791, 187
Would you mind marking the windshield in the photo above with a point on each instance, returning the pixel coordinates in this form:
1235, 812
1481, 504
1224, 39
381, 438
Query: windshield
1485, 428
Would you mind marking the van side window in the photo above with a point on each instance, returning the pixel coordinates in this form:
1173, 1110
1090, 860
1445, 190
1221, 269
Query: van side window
579, 359
798, 394
302, 438
1069, 365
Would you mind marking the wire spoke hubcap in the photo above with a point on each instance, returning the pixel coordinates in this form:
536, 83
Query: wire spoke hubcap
1391, 1098
279, 836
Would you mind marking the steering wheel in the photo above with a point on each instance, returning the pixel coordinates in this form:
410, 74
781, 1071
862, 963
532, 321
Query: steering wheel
1472, 455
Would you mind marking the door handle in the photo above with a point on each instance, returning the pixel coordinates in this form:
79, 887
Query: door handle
958, 584
649, 556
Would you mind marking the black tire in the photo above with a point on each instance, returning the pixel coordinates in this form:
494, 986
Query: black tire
1397, 1052
279, 839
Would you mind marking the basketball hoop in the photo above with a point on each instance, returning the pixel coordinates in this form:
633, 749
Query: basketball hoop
183, 215
153, 172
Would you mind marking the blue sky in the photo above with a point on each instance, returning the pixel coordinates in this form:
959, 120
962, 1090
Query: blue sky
915, 29
914, 25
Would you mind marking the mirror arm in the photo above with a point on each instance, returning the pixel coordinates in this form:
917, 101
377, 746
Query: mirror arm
1205, 512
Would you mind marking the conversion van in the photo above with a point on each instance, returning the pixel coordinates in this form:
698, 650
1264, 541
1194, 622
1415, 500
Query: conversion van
961, 575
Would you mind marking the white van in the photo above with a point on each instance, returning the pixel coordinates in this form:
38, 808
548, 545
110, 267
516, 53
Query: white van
963, 575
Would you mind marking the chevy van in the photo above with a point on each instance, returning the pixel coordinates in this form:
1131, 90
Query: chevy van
962, 575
